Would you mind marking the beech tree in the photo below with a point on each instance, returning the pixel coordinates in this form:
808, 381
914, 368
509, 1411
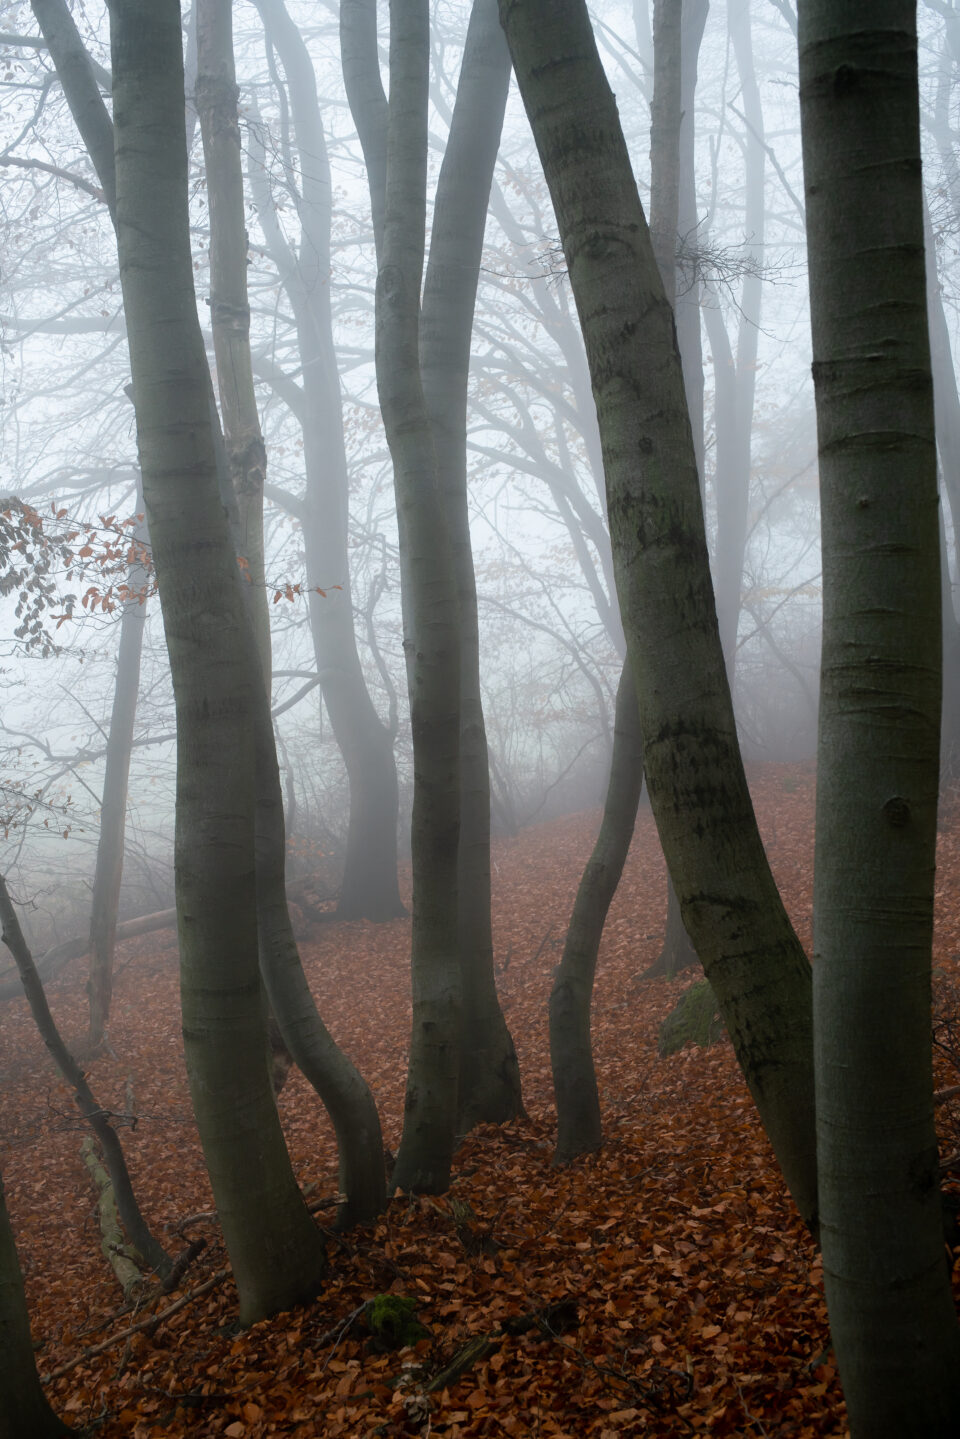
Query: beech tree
730, 903
369, 885
274, 1246
892, 1316
462, 1062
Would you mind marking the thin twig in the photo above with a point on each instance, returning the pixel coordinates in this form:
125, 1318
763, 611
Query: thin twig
149, 1323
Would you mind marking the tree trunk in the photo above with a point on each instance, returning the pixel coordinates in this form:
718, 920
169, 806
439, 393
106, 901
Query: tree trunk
369, 886
274, 1247
579, 1129
735, 398
489, 1075
342, 1089
113, 810
892, 1316
215, 97
574, 1081
671, 181
431, 631
678, 952
698, 790
138, 1231
688, 286
946, 404
24, 1411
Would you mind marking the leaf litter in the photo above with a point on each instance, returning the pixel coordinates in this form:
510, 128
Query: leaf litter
663, 1286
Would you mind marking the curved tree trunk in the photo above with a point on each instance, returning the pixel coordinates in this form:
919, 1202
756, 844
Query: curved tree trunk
579, 1128
574, 1081
24, 1411
343, 1090
340, 1086
892, 1317
274, 1246
489, 1075
138, 1231
698, 790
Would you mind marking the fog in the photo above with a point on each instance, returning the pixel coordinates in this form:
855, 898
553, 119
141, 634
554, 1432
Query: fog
551, 643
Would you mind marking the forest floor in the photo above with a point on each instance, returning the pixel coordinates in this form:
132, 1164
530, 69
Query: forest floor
668, 1284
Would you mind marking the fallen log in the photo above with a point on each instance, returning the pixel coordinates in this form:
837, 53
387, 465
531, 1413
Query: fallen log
60, 954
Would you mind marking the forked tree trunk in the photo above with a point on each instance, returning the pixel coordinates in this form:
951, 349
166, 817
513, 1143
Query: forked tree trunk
24, 1411
274, 1246
489, 1079
695, 776
342, 1089
892, 1317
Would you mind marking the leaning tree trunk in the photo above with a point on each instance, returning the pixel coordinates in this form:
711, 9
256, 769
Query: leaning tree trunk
113, 810
274, 1246
131, 1217
431, 632
24, 1411
489, 1075
698, 790
342, 1089
892, 1316
579, 1126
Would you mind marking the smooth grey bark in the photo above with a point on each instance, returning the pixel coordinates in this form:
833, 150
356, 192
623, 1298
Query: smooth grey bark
24, 1410
275, 1249
431, 626
215, 99
698, 790
131, 1217
892, 1317
345, 1094
342, 1089
489, 1086
579, 1123
369, 887
113, 809
579, 1127
735, 373
677, 32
